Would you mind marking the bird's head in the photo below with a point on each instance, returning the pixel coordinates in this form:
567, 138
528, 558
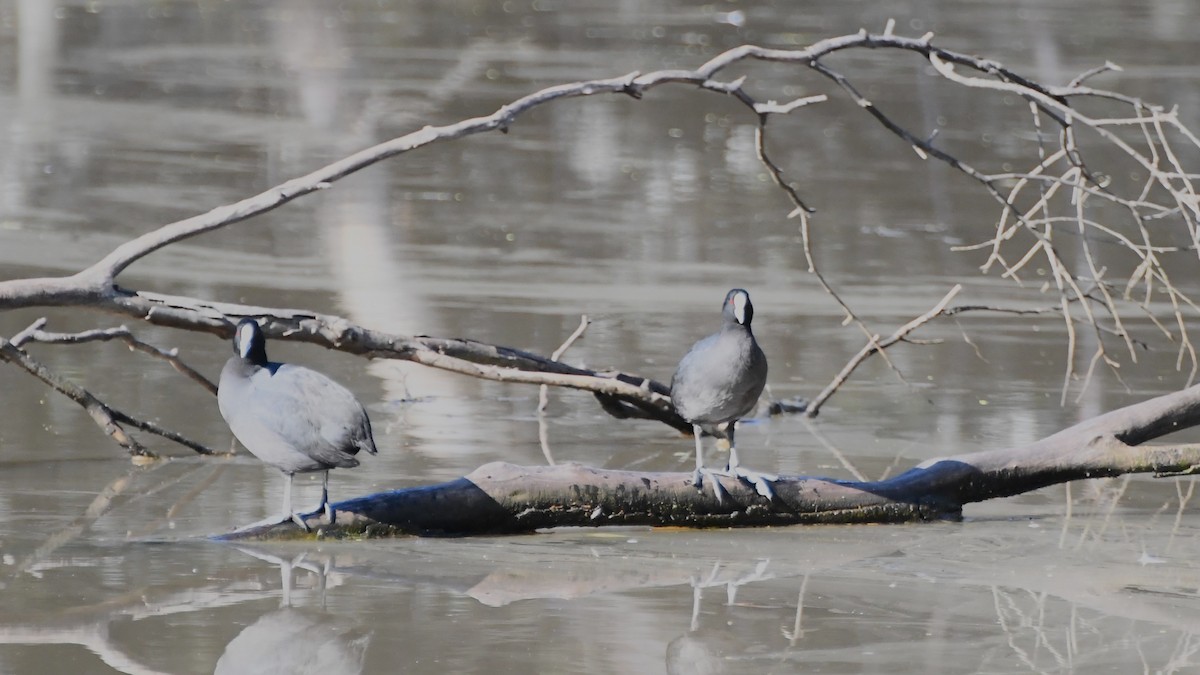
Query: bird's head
738, 308
249, 342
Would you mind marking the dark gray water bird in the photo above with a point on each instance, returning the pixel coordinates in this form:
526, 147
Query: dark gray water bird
295, 419
719, 381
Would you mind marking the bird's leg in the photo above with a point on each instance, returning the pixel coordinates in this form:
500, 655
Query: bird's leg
700, 472
732, 465
287, 496
324, 508
288, 514
760, 481
325, 498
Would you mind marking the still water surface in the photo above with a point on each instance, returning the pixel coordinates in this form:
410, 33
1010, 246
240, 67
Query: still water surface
121, 116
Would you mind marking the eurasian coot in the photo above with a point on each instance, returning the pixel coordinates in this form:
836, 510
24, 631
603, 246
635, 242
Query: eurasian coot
295, 419
717, 382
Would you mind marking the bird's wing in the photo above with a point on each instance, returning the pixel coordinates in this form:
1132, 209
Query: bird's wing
290, 406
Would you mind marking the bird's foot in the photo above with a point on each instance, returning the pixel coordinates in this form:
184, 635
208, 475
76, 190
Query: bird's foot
265, 522
298, 518
761, 481
325, 510
718, 489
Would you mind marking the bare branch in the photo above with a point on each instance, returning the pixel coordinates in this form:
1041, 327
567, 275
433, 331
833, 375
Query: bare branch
543, 393
97, 278
1108, 67
107, 418
100, 413
34, 333
773, 108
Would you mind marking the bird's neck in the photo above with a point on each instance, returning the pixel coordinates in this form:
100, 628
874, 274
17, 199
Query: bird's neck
736, 328
249, 364
256, 357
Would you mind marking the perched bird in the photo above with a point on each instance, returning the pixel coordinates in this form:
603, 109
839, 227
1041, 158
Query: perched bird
295, 419
717, 382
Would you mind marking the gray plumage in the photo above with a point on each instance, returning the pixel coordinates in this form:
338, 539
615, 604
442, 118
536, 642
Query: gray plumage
293, 418
719, 381
721, 377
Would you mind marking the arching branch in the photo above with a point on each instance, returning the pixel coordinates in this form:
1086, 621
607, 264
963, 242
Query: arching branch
1059, 172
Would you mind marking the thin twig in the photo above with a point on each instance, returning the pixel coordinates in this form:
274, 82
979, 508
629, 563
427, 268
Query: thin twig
833, 450
100, 413
544, 392
106, 417
877, 346
34, 333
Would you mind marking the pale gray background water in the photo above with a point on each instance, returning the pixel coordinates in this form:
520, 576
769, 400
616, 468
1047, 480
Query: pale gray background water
120, 116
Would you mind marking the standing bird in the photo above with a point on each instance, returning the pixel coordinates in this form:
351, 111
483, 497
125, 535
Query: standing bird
717, 382
295, 419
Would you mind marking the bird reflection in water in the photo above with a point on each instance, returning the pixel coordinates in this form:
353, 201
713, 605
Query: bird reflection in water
296, 641
706, 650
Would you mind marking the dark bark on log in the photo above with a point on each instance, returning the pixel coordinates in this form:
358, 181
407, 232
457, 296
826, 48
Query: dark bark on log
504, 498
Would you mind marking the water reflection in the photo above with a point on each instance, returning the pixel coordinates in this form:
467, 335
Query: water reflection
686, 600
365, 239
28, 124
290, 640
296, 640
843, 597
711, 646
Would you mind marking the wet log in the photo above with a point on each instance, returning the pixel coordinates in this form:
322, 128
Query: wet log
504, 498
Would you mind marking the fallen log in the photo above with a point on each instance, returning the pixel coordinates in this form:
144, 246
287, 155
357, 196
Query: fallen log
502, 498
